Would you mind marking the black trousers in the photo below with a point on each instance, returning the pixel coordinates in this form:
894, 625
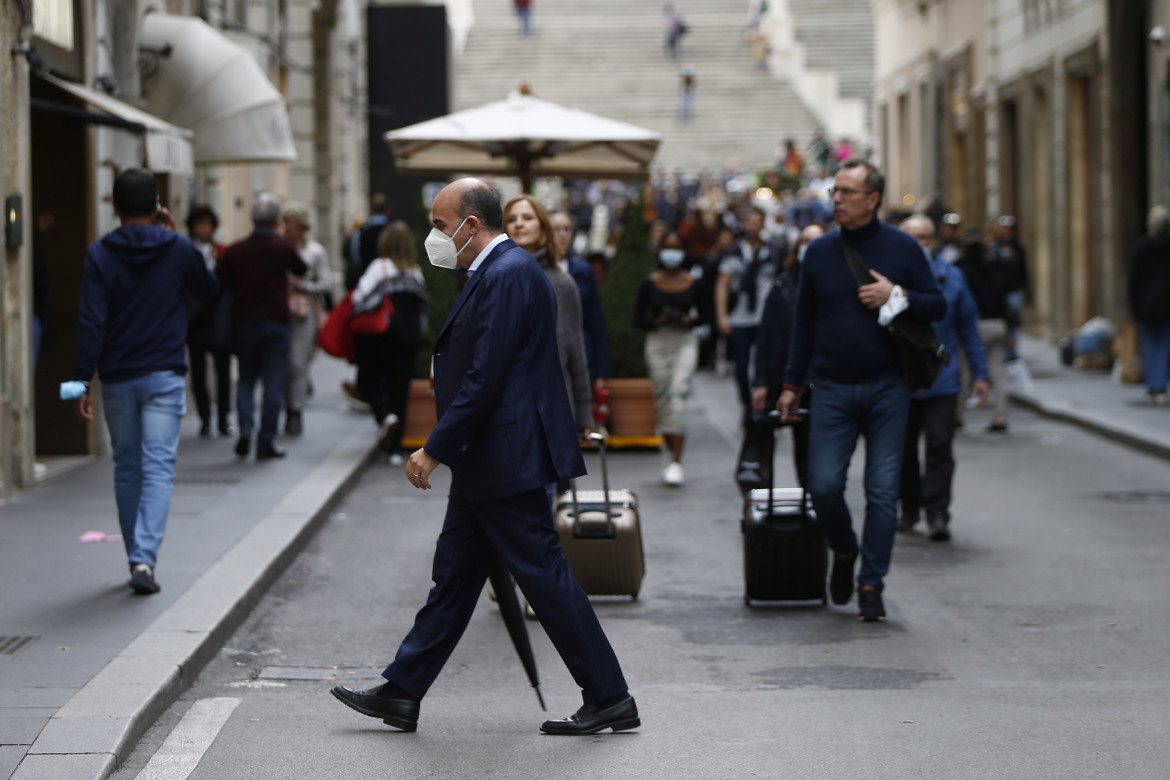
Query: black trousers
384, 369
222, 360
933, 419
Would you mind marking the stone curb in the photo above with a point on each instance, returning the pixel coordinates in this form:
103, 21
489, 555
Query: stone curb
95, 731
1099, 424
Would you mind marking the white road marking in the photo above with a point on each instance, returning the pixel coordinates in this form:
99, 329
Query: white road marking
178, 756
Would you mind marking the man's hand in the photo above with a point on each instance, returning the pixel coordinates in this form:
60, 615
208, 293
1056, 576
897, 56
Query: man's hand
981, 390
788, 402
85, 408
164, 217
419, 468
875, 294
759, 398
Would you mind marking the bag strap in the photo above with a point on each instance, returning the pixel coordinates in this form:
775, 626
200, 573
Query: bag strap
856, 264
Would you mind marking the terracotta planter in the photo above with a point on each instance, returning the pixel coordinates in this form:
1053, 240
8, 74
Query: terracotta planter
420, 414
631, 408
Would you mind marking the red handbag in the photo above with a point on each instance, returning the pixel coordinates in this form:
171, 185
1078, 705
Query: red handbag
373, 323
336, 336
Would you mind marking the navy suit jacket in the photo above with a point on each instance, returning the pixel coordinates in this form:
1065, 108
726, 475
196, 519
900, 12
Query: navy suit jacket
505, 424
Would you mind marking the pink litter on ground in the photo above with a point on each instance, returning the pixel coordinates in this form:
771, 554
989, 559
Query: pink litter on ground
99, 536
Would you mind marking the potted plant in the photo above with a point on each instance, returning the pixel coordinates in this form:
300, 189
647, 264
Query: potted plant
632, 420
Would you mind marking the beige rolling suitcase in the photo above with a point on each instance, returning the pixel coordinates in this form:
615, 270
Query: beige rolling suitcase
602, 536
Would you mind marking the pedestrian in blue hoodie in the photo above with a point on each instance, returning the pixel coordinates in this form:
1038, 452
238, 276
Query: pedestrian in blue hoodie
133, 332
932, 411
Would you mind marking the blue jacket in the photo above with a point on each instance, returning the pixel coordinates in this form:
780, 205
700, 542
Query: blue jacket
960, 325
133, 320
505, 424
835, 337
592, 321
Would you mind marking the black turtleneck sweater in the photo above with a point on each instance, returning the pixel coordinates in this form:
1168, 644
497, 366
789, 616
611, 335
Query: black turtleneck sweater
835, 337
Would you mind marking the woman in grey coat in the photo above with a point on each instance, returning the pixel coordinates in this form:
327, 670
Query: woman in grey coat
527, 223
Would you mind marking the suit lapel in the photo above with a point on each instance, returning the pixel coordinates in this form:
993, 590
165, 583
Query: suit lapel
476, 277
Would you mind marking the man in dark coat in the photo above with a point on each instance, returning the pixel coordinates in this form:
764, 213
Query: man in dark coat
505, 430
1149, 299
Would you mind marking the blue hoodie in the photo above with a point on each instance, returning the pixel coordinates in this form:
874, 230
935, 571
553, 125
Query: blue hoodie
133, 322
960, 325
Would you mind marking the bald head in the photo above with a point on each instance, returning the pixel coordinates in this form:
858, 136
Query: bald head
469, 211
922, 229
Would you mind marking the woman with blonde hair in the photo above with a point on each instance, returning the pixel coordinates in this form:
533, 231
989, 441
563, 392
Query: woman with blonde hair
527, 223
304, 303
385, 362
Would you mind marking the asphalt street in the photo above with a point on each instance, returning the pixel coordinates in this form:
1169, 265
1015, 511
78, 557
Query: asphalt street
1033, 645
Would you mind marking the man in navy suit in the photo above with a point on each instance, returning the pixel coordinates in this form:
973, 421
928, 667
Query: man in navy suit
505, 430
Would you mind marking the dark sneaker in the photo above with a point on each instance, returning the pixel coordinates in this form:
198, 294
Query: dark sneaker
293, 423
142, 579
870, 608
938, 529
243, 445
841, 580
907, 521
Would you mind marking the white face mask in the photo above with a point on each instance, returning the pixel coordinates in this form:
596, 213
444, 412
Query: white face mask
441, 249
671, 258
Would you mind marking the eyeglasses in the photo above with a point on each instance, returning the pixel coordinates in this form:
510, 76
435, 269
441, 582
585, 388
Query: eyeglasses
846, 192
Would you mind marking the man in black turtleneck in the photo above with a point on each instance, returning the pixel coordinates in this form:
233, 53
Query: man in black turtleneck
840, 348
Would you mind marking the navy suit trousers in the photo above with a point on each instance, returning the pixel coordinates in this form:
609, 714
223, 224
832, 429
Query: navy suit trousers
520, 530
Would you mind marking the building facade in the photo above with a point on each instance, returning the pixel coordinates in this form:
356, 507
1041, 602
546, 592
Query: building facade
1046, 110
85, 87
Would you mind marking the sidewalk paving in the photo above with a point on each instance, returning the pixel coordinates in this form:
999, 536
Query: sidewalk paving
98, 664
103, 664
1092, 400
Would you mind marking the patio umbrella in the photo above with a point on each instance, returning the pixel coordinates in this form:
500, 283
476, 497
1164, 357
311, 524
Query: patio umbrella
526, 137
514, 622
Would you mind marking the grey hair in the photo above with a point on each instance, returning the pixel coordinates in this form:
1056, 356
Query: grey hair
875, 180
299, 213
918, 219
265, 210
1158, 221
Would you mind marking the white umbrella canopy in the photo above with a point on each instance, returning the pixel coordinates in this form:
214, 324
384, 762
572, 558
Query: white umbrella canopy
527, 137
215, 87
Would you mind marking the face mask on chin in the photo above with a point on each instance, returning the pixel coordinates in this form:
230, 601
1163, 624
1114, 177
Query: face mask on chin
441, 249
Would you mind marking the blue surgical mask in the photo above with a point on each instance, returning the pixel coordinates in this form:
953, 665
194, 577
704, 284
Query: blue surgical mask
671, 258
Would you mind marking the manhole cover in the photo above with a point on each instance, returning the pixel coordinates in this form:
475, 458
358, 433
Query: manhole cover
11, 645
206, 479
1139, 496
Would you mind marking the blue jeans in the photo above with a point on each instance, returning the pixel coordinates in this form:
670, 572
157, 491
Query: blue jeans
838, 415
1155, 337
262, 347
143, 417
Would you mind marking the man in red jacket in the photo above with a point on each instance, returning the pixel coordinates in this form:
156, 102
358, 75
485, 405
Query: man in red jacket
256, 271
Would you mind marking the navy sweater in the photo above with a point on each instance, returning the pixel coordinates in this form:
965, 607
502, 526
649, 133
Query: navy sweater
835, 337
133, 321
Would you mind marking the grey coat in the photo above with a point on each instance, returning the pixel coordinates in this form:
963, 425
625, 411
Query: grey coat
571, 341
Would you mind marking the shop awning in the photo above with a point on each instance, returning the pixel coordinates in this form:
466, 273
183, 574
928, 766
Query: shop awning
215, 87
167, 147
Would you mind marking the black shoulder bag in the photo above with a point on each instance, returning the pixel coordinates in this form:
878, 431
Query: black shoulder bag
915, 341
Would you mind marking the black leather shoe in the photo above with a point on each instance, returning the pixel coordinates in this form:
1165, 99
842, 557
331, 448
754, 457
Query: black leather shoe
841, 580
205, 430
243, 445
590, 720
269, 452
399, 713
938, 528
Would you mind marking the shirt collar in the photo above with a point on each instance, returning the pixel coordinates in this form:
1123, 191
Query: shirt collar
502, 237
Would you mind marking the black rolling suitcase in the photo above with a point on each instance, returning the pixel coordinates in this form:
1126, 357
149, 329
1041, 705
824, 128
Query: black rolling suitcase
785, 556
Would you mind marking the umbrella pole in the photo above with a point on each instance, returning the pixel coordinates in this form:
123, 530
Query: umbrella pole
513, 616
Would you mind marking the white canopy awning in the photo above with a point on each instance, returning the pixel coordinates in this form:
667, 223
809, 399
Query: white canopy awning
215, 87
167, 147
525, 135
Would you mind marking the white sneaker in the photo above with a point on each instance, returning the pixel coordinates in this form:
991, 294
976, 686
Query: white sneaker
673, 474
386, 432
396, 459
1160, 399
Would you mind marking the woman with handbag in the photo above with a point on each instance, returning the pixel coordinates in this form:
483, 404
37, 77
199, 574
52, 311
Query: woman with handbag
394, 286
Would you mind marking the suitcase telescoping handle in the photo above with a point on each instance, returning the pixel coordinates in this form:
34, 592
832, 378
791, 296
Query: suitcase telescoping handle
578, 530
776, 421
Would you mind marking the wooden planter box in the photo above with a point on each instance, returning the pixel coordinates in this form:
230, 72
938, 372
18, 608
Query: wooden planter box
420, 415
633, 421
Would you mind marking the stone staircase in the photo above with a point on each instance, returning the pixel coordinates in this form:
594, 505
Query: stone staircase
607, 57
838, 37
